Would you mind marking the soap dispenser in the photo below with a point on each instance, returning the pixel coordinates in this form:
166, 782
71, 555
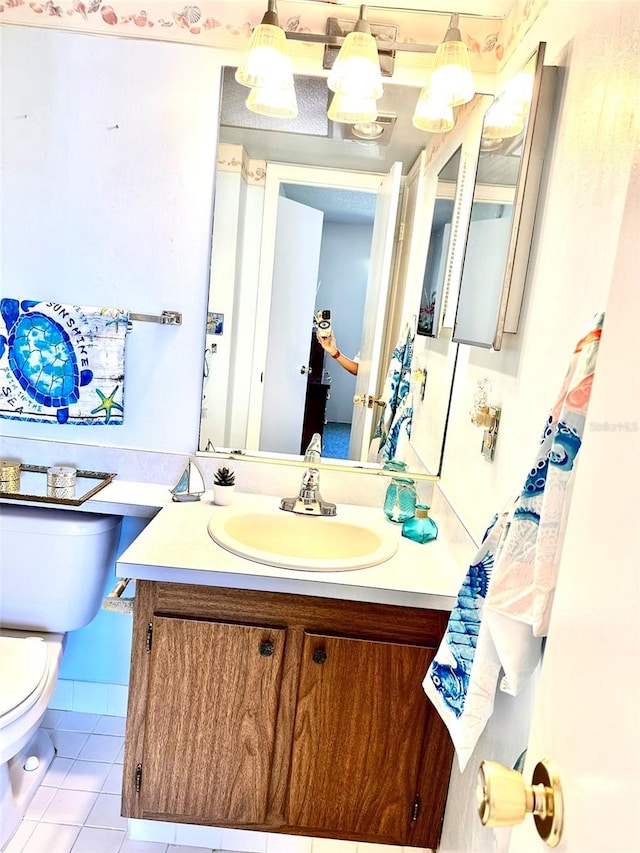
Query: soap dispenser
420, 528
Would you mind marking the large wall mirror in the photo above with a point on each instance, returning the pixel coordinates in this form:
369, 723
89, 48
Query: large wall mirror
322, 205
512, 144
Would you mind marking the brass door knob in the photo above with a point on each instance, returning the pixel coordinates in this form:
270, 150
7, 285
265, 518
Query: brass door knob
368, 401
504, 799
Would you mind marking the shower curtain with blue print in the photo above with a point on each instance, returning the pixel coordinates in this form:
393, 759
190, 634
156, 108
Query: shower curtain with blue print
503, 607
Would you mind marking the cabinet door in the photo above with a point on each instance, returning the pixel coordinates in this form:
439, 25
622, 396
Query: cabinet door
210, 720
360, 722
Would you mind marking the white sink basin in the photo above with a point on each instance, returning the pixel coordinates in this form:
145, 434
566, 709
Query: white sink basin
309, 543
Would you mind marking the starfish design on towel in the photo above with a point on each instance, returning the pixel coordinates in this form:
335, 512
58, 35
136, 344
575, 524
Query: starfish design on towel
107, 404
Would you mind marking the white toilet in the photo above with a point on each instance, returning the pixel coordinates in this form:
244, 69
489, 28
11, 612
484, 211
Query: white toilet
54, 566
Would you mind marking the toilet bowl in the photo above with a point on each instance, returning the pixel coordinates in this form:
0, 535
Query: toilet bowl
54, 566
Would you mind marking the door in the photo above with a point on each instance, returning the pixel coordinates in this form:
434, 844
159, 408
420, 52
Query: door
588, 700
359, 730
295, 280
210, 720
373, 324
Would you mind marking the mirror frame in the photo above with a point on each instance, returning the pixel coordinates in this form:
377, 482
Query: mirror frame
524, 204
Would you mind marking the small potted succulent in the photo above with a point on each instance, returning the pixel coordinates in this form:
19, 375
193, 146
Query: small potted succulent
224, 481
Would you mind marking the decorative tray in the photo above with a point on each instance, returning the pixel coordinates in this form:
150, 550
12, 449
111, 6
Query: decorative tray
33, 486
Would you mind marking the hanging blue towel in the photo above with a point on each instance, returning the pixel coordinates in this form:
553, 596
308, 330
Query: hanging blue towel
394, 423
62, 363
502, 610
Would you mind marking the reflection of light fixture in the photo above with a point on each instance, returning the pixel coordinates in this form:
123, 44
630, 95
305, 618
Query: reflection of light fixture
432, 114
520, 90
368, 130
451, 76
352, 110
276, 103
503, 120
267, 62
356, 71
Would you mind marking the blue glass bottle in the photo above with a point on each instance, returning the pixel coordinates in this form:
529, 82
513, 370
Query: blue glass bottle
420, 528
400, 498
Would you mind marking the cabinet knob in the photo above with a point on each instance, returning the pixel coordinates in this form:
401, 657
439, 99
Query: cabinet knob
319, 656
266, 648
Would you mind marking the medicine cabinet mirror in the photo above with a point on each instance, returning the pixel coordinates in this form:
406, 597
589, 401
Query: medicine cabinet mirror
512, 144
433, 285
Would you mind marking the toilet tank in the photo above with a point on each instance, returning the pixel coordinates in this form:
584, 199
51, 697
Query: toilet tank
54, 566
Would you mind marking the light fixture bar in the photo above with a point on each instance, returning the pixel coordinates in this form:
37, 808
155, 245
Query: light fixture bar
336, 41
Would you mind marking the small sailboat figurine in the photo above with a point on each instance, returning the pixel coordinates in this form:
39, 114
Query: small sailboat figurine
190, 486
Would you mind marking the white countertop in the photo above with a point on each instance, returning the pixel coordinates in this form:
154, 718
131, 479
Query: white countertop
176, 547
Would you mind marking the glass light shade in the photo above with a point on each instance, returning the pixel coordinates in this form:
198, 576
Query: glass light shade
267, 62
277, 103
356, 70
503, 120
451, 78
346, 110
432, 114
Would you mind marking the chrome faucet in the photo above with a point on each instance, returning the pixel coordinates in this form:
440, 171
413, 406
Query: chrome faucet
308, 501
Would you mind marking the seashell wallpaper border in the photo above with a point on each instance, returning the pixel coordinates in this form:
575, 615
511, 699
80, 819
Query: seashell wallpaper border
233, 158
227, 24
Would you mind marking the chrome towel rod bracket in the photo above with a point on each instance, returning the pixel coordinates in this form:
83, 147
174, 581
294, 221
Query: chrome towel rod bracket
167, 318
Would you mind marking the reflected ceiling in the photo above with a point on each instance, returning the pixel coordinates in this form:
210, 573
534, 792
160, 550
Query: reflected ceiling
312, 138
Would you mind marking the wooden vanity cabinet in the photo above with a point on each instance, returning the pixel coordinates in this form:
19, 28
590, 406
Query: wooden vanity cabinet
284, 713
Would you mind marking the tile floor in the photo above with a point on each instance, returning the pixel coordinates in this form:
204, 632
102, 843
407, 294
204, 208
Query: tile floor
77, 807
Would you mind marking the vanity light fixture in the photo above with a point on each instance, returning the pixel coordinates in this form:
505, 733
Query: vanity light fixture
348, 110
451, 79
356, 71
267, 66
355, 77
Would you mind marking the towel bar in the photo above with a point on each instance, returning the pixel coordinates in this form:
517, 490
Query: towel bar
114, 600
167, 318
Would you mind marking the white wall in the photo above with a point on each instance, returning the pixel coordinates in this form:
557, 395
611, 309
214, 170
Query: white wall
108, 158
344, 268
583, 194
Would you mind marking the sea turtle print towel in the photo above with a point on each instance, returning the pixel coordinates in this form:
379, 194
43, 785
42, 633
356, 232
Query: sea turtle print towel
62, 364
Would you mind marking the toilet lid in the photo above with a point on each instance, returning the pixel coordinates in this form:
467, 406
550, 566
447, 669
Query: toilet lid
23, 665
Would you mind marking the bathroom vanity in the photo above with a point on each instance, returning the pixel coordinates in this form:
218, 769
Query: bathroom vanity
280, 700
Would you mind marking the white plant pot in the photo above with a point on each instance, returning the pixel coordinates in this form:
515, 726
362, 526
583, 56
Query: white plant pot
223, 495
